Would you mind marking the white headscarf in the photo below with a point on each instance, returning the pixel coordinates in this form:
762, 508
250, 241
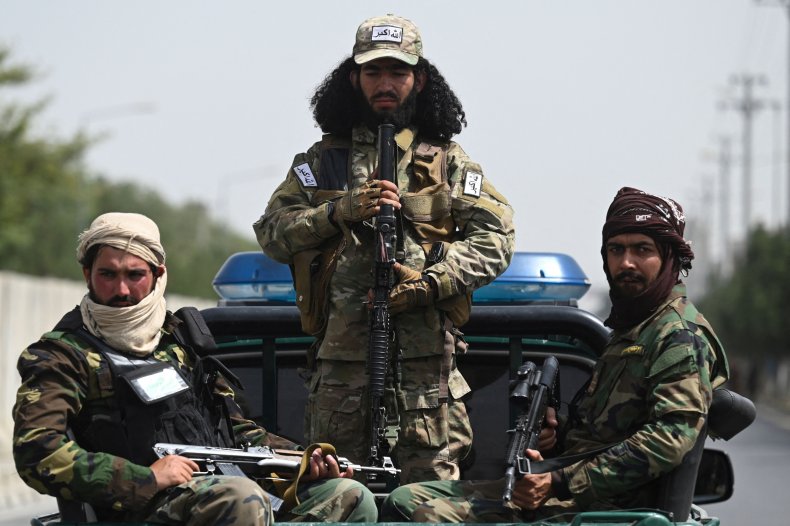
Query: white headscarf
135, 329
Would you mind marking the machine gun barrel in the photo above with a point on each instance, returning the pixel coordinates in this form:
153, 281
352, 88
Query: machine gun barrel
384, 258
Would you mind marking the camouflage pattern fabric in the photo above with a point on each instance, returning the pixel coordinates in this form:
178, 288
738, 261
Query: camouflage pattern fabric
434, 434
216, 500
293, 223
333, 500
223, 500
649, 395
60, 376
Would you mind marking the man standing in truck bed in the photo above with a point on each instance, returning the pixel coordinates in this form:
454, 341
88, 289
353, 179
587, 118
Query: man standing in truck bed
456, 233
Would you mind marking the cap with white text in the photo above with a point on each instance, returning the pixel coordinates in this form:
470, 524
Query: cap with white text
388, 36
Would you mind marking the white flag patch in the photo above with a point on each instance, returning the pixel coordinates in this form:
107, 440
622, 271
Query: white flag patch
473, 184
387, 34
305, 175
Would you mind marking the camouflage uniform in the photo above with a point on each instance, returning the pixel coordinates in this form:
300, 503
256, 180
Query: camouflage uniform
649, 395
62, 375
434, 428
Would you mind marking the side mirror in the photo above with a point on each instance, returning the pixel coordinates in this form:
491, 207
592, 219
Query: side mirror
715, 478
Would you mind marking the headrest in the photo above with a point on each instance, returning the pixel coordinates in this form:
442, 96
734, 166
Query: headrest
729, 414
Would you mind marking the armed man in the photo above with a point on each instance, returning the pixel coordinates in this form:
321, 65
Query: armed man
644, 406
116, 376
454, 234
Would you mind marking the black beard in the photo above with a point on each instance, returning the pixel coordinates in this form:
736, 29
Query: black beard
400, 118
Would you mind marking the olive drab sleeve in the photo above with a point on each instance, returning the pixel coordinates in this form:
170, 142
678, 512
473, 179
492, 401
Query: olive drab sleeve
486, 233
291, 223
54, 387
673, 362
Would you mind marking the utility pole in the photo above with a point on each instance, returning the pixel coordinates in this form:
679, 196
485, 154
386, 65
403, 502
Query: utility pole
747, 105
776, 162
786, 5
724, 198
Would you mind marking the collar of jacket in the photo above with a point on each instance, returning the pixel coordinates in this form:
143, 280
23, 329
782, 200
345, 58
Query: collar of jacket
403, 138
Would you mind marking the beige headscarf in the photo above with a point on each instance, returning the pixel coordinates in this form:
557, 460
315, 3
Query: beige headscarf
135, 329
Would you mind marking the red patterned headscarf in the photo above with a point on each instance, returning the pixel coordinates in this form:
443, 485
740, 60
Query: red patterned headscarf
635, 211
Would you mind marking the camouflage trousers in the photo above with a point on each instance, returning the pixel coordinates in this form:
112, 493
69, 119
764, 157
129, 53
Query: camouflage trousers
226, 500
465, 501
434, 432
218, 500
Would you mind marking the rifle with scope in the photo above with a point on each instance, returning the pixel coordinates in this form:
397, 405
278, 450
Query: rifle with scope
533, 391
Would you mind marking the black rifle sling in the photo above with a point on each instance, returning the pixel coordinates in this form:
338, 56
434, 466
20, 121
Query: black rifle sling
194, 336
553, 464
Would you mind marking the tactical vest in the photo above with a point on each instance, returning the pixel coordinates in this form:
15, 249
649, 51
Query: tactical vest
153, 402
426, 205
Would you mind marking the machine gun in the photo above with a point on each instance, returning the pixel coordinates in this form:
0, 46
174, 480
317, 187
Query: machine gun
256, 462
533, 391
384, 279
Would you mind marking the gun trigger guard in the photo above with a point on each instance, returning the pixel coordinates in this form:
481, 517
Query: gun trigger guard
524, 466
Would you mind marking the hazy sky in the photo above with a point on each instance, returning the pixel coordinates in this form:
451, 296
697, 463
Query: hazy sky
567, 101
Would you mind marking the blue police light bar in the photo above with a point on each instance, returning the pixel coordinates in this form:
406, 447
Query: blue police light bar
253, 276
248, 277
536, 276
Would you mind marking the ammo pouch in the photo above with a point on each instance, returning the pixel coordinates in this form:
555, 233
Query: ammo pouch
429, 210
312, 270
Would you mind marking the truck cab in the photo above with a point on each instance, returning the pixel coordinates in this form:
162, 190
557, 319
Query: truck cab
527, 314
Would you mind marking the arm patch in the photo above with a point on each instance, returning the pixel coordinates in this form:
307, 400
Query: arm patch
305, 175
473, 183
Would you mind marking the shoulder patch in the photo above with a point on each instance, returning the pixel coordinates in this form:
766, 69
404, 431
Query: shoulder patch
633, 349
473, 183
305, 175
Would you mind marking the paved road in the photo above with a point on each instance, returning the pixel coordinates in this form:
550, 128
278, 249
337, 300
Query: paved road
761, 458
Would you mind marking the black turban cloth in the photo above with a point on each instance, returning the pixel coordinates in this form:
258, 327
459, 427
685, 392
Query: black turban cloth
661, 218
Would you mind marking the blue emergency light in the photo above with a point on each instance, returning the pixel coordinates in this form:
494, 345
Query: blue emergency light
536, 276
531, 276
253, 276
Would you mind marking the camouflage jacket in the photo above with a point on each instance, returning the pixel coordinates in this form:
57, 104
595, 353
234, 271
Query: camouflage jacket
481, 250
60, 375
649, 395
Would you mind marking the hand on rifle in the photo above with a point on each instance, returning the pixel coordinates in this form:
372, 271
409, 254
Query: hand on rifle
325, 467
172, 470
412, 290
548, 434
363, 202
531, 491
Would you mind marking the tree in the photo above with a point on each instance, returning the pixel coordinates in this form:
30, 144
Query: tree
48, 196
750, 307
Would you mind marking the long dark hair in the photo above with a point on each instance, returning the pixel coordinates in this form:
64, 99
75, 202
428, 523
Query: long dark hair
439, 114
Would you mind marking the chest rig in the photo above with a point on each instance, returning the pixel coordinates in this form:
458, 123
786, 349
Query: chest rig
426, 209
426, 205
153, 401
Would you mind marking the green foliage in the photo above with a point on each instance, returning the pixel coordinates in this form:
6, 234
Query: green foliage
749, 308
48, 196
